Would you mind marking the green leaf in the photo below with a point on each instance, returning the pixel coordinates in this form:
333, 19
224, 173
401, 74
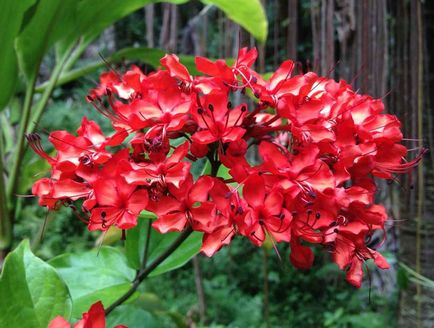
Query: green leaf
135, 243
160, 242
31, 291
249, 14
11, 16
44, 28
92, 17
93, 276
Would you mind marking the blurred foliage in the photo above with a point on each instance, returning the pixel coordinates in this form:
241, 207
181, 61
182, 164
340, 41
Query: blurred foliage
233, 278
233, 281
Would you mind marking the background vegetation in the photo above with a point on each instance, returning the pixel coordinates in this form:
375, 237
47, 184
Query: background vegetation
52, 55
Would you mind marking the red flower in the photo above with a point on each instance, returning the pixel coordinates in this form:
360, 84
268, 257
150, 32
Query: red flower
350, 254
266, 214
94, 318
118, 203
189, 206
218, 121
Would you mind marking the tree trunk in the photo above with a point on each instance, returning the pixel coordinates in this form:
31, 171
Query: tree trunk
198, 280
149, 17
417, 204
292, 34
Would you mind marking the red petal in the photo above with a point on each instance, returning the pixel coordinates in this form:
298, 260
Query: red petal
106, 193
127, 220
301, 256
213, 242
137, 201
254, 191
233, 134
203, 217
355, 273
204, 137
170, 222
96, 316
59, 322
176, 69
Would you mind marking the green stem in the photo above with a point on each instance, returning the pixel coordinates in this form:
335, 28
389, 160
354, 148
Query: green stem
48, 90
146, 271
148, 240
4, 217
19, 150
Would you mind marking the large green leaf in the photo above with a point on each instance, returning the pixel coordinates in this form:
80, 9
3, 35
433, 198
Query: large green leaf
31, 291
92, 17
93, 275
158, 243
135, 242
41, 31
248, 13
11, 16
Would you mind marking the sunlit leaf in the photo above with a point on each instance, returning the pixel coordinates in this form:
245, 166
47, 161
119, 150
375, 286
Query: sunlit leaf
31, 291
249, 14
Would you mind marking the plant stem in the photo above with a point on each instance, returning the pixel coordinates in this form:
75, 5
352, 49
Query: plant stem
148, 240
266, 288
19, 150
146, 271
48, 90
4, 218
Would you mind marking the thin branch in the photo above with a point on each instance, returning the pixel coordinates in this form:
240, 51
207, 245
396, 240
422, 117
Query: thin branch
146, 271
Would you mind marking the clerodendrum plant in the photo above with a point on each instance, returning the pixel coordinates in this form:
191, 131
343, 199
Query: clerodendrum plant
320, 143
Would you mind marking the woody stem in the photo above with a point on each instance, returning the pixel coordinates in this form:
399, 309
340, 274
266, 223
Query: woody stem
147, 270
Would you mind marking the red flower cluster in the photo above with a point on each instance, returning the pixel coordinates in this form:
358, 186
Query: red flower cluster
320, 143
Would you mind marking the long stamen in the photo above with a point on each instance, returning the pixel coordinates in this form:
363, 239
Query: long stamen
34, 141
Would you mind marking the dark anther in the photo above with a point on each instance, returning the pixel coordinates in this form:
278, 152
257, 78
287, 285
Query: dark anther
211, 107
281, 216
243, 108
229, 105
239, 210
294, 213
200, 111
309, 211
317, 215
336, 230
257, 95
254, 79
103, 214
312, 194
89, 98
108, 92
